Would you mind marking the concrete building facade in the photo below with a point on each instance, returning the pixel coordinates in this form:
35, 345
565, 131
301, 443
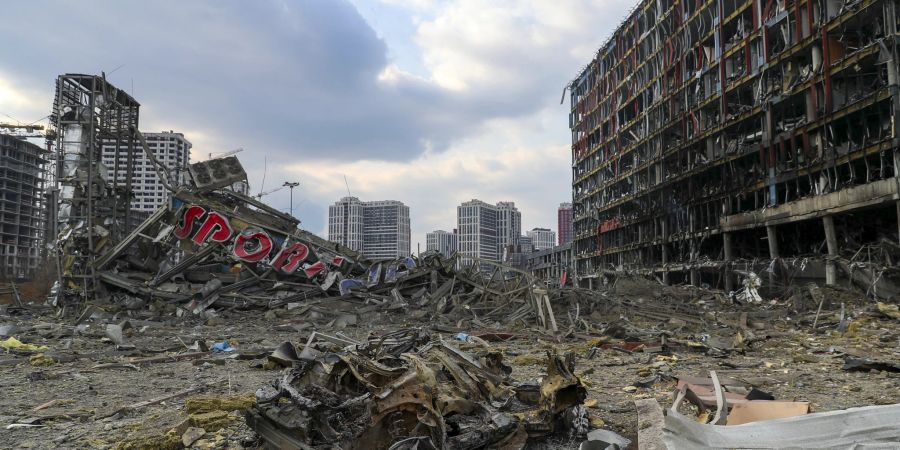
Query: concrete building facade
345, 223
22, 207
509, 224
478, 223
564, 218
385, 229
542, 238
714, 136
550, 264
446, 243
378, 229
170, 148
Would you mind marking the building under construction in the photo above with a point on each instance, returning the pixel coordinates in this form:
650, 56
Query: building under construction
715, 138
22, 206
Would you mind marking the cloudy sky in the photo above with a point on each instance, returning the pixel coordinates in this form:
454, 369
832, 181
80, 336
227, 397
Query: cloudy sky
429, 102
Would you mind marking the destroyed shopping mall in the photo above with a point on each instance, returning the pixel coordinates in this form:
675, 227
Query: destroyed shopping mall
736, 192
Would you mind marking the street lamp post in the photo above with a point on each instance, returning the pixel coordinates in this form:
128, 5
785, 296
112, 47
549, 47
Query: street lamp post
291, 185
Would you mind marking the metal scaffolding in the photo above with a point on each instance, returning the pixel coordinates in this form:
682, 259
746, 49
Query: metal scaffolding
93, 210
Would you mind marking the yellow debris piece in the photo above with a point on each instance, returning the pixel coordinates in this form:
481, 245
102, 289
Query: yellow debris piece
213, 421
892, 311
15, 344
167, 441
207, 403
41, 360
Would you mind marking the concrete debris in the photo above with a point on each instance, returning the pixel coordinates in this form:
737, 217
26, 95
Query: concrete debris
356, 369
213, 248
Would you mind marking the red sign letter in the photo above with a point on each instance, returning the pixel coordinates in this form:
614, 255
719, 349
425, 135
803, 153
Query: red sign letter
187, 221
314, 269
215, 227
290, 257
252, 246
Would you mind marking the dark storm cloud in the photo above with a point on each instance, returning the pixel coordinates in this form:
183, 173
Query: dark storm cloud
290, 79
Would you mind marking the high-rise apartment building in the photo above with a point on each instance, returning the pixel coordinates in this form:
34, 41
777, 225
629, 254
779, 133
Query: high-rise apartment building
714, 138
477, 223
444, 242
542, 238
509, 225
564, 223
345, 223
171, 149
526, 244
379, 229
22, 206
385, 229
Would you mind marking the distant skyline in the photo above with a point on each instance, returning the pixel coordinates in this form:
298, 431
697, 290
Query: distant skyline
429, 103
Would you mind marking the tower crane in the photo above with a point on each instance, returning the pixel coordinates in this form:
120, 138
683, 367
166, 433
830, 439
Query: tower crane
28, 131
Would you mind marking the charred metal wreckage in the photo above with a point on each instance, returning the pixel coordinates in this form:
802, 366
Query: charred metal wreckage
402, 391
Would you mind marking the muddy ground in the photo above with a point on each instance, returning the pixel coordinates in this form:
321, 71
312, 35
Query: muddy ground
89, 379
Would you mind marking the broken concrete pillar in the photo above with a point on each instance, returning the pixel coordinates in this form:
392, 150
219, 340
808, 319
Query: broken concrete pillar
695, 274
772, 236
729, 255
831, 242
665, 250
898, 221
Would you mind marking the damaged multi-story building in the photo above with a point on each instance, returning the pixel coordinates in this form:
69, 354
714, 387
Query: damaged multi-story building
715, 137
22, 206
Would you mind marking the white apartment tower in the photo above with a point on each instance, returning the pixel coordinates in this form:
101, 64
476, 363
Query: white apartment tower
444, 242
385, 229
169, 148
379, 229
509, 225
542, 238
478, 234
345, 223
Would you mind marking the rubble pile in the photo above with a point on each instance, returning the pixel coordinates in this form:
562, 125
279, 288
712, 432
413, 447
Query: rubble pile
185, 335
384, 394
212, 248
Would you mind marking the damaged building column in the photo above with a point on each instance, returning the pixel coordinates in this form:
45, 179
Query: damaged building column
695, 273
898, 220
831, 241
729, 256
665, 250
772, 237
695, 251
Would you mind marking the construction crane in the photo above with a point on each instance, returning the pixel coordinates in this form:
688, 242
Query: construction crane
30, 130
272, 191
224, 154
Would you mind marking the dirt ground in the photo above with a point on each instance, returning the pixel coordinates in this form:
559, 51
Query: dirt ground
90, 381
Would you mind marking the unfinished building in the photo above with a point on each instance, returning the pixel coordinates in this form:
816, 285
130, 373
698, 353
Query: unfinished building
712, 138
22, 205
